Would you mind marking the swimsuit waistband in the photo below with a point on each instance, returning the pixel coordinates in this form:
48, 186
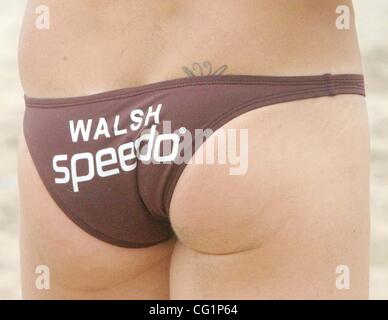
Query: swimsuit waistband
330, 81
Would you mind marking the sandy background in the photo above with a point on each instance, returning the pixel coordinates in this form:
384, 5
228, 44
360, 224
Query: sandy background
373, 31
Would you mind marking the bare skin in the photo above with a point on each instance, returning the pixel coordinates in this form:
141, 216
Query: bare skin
279, 231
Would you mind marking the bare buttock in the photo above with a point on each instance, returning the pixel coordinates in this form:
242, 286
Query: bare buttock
117, 93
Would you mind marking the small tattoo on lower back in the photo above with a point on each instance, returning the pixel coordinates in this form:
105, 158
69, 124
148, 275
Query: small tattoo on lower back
204, 69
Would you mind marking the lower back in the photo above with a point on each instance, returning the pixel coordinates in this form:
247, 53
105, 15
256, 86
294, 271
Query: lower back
93, 46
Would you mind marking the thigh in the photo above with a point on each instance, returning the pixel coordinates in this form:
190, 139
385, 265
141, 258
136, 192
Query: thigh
293, 224
80, 266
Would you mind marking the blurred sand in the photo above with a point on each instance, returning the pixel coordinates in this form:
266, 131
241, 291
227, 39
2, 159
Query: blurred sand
373, 29
11, 99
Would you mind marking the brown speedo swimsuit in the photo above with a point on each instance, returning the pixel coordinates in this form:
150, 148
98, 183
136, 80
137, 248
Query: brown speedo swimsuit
104, 159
